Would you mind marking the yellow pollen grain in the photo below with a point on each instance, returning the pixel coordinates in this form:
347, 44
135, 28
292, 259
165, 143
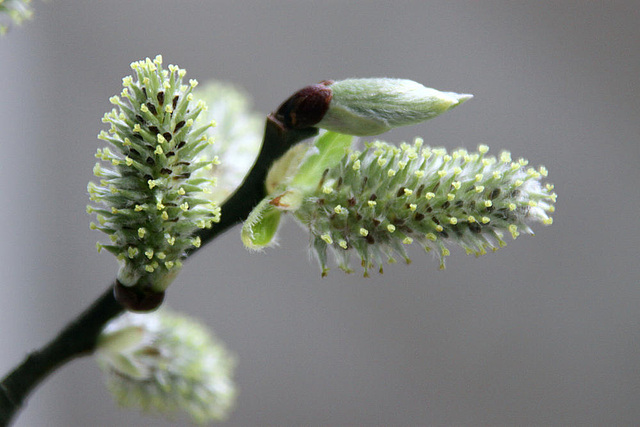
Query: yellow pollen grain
391, 228
371, 203
439, 228
327, 238
431, 237
343, 244
413, 207
364, 232
407, 240
485, 220
451, 196
429, 195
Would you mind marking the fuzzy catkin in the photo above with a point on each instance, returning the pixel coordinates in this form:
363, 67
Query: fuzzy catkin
164, 362
377, 201
151, 199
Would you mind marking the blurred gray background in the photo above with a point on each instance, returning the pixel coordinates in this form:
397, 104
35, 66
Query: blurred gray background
544, 332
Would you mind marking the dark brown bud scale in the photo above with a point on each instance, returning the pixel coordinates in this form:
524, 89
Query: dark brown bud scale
306, 107
135, 299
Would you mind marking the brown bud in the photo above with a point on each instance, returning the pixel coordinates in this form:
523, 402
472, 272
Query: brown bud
135, 299
306, 107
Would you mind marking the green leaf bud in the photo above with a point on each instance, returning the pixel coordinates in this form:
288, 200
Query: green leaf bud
291, 177
260, 227
163, 362
150, 197
375, 105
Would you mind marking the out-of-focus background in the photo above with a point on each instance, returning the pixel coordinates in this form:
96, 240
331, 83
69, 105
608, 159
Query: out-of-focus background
544, 332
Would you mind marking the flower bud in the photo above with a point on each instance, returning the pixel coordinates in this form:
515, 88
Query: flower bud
165, 362
375, 105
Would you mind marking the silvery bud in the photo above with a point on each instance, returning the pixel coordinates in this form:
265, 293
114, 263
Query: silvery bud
365, 106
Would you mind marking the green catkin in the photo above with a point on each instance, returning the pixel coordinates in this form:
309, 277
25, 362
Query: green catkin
386, 198
164, 362
149, 176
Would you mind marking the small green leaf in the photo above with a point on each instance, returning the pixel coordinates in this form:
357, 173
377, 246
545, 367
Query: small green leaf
330, 149
261, 225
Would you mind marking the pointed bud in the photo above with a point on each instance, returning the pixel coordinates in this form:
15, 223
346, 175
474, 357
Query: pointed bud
373, 106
